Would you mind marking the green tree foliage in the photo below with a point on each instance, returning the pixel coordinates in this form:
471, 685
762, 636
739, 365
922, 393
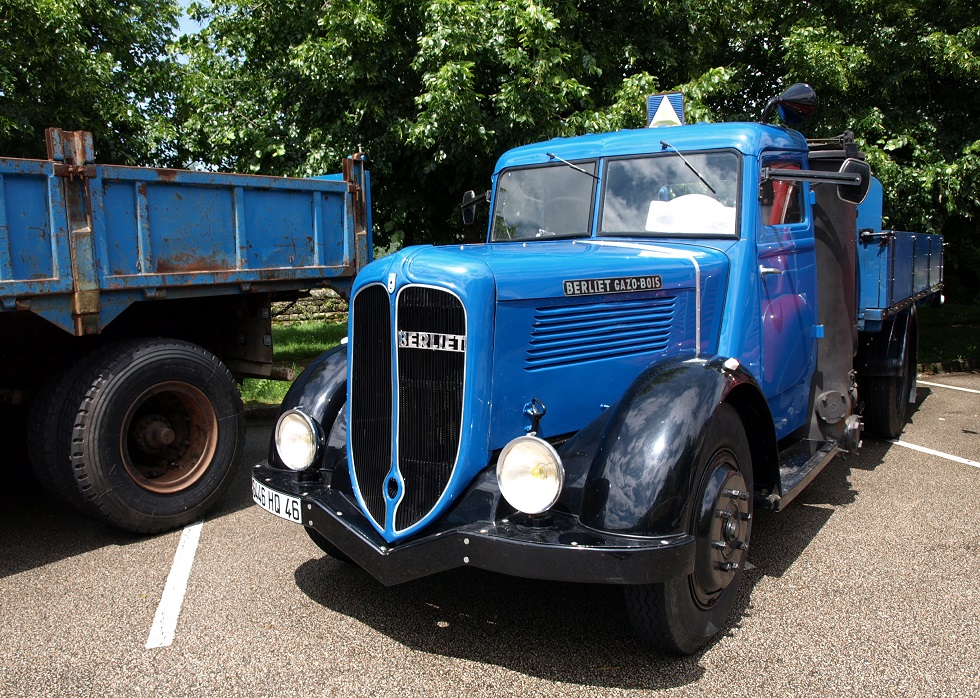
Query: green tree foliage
96, 65
433, 91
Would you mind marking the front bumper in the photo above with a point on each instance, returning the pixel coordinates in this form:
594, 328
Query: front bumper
556, 547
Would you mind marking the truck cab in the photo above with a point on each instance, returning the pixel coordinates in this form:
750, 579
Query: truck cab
660, 334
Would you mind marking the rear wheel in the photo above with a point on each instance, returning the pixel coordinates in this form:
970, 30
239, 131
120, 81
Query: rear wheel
682, 614
50, 431
157, 430
886, 398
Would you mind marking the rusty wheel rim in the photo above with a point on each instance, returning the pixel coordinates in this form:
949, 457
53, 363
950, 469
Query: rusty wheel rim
169, 436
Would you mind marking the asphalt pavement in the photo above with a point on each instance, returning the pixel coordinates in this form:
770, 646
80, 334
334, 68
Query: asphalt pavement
866, 585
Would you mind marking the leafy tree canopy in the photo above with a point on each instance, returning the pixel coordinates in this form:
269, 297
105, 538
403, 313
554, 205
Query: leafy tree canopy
434, 90
96, 65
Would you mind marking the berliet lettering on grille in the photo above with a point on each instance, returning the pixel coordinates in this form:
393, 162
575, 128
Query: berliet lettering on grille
431, 340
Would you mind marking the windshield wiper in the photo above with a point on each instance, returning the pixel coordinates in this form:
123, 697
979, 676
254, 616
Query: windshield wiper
691, 167
574, 167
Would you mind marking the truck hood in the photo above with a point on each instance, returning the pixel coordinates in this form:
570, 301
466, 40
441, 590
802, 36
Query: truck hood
574, 321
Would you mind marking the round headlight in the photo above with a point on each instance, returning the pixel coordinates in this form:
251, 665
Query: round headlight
530, 474
297, 439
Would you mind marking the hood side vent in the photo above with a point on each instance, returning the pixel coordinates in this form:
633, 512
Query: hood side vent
568, 335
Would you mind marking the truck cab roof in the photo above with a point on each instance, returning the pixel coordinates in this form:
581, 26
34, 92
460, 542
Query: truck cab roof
747, 138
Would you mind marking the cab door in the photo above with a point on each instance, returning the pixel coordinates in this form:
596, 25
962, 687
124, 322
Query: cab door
787, 303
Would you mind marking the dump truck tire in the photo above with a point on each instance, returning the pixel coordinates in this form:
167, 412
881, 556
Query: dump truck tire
157, 431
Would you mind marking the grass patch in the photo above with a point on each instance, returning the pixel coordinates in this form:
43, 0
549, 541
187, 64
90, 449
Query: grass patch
949, 334
294, 346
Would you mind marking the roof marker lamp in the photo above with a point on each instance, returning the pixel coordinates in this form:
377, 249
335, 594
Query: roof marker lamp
530, 474
298, 439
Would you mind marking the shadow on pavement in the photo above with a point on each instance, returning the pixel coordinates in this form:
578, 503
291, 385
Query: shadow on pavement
559, 632
556, 631
38, 530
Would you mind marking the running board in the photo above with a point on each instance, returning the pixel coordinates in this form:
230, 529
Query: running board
798, 465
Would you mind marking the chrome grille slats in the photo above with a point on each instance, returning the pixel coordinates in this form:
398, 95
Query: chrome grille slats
567, 335
371, 397
430, 401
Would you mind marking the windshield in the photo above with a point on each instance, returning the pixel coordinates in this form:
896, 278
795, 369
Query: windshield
544, 202
664, 195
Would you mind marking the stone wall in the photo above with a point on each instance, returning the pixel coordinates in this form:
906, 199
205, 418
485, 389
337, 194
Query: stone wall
323, 305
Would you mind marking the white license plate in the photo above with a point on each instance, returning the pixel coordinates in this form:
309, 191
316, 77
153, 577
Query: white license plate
282, 505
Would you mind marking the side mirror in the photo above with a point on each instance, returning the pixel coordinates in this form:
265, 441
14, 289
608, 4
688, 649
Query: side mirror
468, 206
855, 193
794, 105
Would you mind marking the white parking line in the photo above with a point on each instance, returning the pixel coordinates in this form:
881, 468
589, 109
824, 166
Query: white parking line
951, 387
940, 454
168, 612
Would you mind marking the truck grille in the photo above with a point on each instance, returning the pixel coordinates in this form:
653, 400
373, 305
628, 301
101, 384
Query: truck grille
370, 397
430, 399
567, 335
428, 377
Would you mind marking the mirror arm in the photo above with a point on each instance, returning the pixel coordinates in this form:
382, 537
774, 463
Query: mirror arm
767, 111
814, 176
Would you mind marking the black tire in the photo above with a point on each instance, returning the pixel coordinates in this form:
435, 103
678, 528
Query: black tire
157, 430
886, 398
884, 406
49, 439
326, 546
679, 616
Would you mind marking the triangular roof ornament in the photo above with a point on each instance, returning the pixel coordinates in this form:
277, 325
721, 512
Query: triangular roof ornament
665, 109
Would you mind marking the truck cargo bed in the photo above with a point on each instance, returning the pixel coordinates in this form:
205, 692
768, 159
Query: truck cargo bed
895, 268
80, 242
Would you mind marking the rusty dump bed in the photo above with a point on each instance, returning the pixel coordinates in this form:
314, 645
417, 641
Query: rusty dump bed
80, 242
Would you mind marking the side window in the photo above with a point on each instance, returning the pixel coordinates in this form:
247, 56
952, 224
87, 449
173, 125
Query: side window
782, 202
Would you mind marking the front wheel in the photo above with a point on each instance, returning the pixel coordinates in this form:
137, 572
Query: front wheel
327, 547
157, 432
679, 616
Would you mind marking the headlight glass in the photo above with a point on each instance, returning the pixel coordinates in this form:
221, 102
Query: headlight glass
297, 439
530, 474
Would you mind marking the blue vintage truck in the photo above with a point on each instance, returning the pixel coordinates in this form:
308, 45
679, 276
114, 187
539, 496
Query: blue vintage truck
666, 329
131, 299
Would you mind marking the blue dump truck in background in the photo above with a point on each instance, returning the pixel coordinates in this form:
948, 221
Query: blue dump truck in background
130, 301
667, 329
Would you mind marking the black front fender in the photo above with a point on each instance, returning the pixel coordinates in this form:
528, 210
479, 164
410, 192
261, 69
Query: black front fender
320, 391
642, 474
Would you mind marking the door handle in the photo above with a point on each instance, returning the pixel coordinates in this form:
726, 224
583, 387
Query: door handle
766, 271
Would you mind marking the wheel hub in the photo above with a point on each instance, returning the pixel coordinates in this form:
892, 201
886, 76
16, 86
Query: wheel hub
154, 432
169, 437
723, 527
